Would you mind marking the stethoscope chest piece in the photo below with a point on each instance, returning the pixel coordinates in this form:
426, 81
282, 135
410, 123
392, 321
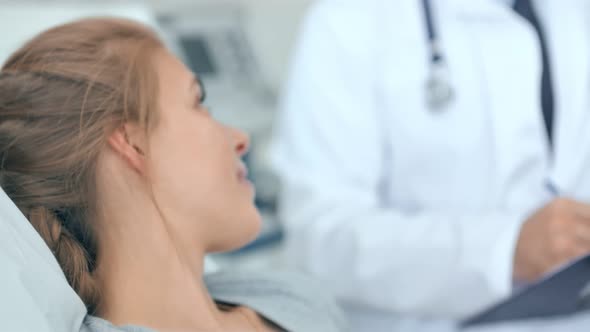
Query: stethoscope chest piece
439, 92
438, 89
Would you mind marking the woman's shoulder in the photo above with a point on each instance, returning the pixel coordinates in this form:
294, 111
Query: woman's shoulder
291, 300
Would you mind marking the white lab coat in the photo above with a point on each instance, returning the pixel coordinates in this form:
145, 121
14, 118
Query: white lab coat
408, 211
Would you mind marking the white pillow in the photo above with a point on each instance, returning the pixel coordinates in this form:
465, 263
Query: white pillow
35, 295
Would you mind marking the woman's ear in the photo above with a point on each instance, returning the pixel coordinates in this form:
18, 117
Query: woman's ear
129, 142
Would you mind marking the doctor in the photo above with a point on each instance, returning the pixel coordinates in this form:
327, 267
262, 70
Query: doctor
426, 149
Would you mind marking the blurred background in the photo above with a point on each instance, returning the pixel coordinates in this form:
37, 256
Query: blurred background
240, 49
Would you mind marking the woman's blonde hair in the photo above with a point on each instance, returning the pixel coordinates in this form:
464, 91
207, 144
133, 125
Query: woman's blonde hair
61, 95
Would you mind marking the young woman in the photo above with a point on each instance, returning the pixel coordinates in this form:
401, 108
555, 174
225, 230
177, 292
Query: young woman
108, 150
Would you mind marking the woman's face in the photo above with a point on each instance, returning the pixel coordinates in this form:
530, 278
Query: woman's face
194, 163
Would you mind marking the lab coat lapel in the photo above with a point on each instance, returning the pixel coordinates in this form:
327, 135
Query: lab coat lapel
569, 55
511, 67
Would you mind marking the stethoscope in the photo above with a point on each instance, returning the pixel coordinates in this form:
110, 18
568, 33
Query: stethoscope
439, 91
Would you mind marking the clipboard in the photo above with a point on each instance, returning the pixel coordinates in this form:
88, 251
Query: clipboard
564, 292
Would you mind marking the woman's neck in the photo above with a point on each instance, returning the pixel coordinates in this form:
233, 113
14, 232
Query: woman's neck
144, 276
145, 280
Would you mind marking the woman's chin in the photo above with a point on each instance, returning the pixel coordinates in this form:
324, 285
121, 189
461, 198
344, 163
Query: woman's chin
242, 234
252, 230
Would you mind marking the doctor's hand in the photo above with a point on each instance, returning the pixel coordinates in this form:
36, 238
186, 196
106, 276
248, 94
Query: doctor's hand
554, 235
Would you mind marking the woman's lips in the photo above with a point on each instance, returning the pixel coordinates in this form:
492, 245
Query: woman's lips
243, 178
242, 172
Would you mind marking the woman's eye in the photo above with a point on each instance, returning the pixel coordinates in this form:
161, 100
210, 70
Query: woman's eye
201, 96
200, 102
